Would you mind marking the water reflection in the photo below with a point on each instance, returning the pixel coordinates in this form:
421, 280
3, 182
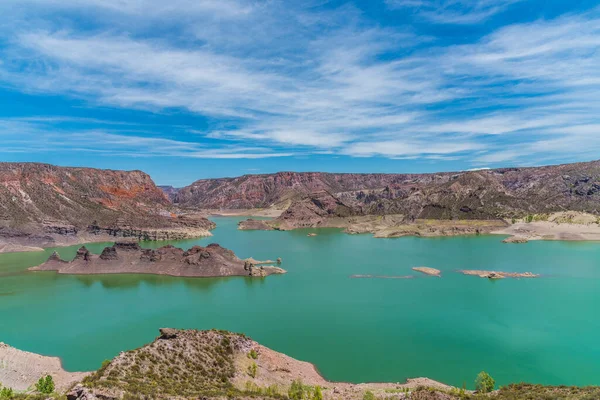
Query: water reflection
132, 281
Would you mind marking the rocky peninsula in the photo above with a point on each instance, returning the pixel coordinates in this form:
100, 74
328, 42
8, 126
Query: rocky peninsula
129, 258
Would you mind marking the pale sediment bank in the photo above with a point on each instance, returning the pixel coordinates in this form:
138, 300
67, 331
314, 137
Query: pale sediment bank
17, 248
544, 230
428, 271
567, 225
386, 226
20, 370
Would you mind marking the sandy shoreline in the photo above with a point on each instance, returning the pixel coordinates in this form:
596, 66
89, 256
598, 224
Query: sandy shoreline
552, 231
567, 226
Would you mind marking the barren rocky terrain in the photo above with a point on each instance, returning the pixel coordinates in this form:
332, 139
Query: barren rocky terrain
128, 257
44, 205
20, 370
485, 194
405, 204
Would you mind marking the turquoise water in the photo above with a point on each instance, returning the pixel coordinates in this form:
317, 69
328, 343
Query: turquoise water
537, 330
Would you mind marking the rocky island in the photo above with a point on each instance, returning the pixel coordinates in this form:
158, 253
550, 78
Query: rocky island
129, 258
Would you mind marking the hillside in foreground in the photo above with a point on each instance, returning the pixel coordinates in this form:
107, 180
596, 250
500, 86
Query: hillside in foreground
222, 365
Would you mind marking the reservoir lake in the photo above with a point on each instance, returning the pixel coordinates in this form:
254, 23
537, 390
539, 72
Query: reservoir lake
542, 330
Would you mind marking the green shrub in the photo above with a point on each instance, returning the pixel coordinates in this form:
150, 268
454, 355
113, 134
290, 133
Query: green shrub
297, 390
317, 394
45, 385
252, 369
272, 390
6, 393
484, 383
368, 395
253, 354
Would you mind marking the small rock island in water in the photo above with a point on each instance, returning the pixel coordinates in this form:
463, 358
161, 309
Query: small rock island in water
129, 258
428, 271
498, 274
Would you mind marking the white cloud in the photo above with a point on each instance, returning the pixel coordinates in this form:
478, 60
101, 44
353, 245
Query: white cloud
453, 11
276, 79
39, 135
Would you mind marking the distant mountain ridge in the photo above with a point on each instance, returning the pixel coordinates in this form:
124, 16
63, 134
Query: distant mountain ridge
482, 194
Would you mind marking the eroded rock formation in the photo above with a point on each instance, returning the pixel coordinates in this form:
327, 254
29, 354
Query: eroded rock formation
128, 257
43, 205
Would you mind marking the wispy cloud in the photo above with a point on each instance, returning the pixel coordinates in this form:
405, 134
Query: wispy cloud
277, 80
40, 135
453, 11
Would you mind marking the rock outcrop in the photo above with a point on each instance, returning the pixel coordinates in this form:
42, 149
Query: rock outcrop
128, 257
44, 205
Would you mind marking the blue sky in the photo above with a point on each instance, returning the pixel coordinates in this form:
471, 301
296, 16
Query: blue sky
189, 89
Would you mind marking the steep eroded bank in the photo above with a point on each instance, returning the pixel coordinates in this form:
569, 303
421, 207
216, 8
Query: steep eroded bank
43, 205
